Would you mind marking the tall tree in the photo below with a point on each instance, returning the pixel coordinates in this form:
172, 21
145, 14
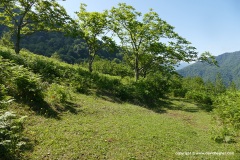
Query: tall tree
143, 40
93, 29
24, 17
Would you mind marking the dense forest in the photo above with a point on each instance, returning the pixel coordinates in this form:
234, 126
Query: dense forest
110, 100
70, 50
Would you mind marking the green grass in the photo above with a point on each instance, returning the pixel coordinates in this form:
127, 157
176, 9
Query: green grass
105, 130
91, 127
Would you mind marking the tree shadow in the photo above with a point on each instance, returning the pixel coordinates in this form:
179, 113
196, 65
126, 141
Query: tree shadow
44, 109
67, 106
41, 107
107, 96
192, 105
156, 106
159, 106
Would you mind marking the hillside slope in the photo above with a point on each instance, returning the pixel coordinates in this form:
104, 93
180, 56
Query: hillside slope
97, 126
229, 69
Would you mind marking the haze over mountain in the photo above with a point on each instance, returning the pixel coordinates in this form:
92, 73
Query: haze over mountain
229, 69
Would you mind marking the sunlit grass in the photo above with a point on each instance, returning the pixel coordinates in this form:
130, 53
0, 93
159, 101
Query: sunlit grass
106, 130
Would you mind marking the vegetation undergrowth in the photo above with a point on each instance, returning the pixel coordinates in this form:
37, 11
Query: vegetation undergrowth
145, 91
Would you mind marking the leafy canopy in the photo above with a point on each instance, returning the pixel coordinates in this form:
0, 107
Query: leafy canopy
93, 28
149, 43
24, 17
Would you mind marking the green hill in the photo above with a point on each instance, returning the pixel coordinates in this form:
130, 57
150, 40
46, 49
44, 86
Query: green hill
66, 124
229, 69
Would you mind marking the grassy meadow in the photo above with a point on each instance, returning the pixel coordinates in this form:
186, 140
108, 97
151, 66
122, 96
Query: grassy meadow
65, 124
100, 129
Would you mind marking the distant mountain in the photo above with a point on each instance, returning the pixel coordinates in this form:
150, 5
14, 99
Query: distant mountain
229, 69
182, 65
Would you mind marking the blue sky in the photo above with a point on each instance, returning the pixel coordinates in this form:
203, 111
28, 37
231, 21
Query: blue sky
210, 25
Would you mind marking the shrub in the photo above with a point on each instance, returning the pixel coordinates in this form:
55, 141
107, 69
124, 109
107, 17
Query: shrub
199, 96
26, 85
6, 40
181, 92
112, 68
227, 113
3, 91
125, 92
58, 94
11, 138
20, 82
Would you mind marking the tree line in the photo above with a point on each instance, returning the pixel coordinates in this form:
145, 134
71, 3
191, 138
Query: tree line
140, 36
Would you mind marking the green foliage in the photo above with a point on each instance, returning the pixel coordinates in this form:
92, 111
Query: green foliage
193, 89
56, 56
228, 69
199, 96
20, 82
11, 138
2, 91
93, 25
176, 88
227, 113
24, 17
6, 40
149, 90
27, 86
140, 37
4, 98
113, 68
82, 84
57, 94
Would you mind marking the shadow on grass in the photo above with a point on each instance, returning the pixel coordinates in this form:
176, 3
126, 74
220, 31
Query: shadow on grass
189, 105
41, 107
51, 111
156, 106
44, 109
67, 106
108, 97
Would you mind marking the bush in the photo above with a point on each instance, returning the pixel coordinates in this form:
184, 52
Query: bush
3, 91
227, 112
6, 40
26, 85
20, 82
58, 94
112, 68
181, 92
11, 138
125, 92
199, 96
149, 90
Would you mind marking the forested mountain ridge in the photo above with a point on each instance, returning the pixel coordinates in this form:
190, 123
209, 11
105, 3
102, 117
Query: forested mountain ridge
229, 69
71, 50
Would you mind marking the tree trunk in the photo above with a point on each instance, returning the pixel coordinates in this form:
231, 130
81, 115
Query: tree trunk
136, 69
90, 60
17, 43
90, 65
